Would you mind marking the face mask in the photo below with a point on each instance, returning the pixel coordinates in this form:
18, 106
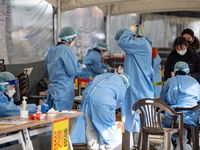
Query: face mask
182, 52
71, 44
190, 43
10, 93
104, 54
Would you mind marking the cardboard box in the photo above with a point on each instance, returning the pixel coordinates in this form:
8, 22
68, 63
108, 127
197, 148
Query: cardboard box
42, 93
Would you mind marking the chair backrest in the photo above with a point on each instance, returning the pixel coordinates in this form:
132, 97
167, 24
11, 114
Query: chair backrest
150, 112
177, 109
2, 66
24, 83
197, 107
39, 72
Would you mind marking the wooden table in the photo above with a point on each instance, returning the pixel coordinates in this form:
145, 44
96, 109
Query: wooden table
25, 124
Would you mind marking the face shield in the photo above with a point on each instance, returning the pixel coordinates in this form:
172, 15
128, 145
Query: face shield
13, 89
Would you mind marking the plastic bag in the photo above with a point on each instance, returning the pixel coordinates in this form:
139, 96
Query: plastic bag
185, 140
161, 147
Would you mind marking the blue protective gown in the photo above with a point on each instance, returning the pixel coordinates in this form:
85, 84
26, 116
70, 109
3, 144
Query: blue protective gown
102, 96
8, 108
94, 66
62, 66
181, 91
137, 65
157, 73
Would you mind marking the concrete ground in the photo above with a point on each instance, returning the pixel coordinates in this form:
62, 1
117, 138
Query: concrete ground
154, 141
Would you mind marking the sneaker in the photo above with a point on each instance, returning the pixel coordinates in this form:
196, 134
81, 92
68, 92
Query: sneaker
134, 148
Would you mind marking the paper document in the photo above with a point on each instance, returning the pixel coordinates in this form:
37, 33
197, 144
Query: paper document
66, 111
9, 121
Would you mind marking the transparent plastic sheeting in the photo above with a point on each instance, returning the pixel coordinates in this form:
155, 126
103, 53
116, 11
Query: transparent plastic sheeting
26, 28
3, 50
29, 30
90, 27
162, 30
118, 22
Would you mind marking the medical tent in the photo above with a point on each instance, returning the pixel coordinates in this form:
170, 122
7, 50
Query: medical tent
31, 34
121, 7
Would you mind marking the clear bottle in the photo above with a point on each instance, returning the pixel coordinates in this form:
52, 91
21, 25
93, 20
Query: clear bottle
24, 108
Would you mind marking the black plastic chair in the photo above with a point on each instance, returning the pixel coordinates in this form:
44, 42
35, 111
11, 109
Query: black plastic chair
24, 85
193, 131
2, 66
151, 122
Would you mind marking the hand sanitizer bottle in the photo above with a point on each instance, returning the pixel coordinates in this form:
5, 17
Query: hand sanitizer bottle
24, 108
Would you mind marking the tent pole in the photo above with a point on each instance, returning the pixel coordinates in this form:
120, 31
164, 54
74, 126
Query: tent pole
58, 19
108, 27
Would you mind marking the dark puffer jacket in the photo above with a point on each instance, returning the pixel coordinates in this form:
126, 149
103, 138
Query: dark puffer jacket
191, 57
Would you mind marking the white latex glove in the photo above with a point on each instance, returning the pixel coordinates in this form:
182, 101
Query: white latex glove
105, 70
133, 28
51, 111
83, 66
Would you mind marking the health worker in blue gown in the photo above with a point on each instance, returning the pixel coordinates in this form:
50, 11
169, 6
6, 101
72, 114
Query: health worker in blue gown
157, 71
8, 90
183, 91
62, 66
93, 62
102, 96
138, 65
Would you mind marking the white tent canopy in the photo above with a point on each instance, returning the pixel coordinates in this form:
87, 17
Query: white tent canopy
119, 7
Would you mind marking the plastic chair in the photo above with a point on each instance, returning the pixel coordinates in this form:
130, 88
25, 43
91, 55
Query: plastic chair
151, 122
2, 66
192, 130
24, 85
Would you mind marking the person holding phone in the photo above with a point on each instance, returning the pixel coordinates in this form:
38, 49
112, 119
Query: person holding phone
138, 65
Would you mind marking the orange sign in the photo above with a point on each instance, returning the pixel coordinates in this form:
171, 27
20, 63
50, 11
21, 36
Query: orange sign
60, 133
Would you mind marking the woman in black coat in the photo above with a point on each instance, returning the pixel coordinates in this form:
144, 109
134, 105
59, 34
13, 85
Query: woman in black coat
191, 39
183, 52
